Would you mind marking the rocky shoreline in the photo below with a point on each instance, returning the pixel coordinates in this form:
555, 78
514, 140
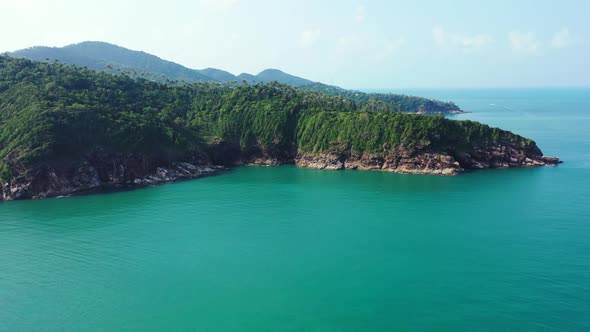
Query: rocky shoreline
89, 176
450, 112
108, 172
402, 160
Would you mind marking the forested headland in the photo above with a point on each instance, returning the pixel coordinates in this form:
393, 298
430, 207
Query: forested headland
54, 114
115, 59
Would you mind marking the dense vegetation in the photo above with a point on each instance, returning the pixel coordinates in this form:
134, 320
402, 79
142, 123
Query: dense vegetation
111, 58
53, 111
404, 103
114, 59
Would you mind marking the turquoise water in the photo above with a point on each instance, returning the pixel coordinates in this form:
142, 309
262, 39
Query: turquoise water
288, 249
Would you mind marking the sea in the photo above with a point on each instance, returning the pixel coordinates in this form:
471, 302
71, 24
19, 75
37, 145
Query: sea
290, 249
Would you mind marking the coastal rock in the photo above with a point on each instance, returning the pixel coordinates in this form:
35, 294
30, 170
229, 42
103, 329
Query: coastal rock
398, 161
101, 171
94, 174
325, 161
422, 160
504, 156
264, 161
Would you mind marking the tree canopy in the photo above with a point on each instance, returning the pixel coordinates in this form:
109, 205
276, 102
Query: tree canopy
52, 111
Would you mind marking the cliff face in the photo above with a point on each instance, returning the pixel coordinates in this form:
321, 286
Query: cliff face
399, 161
100, 171
96, 173
425, 161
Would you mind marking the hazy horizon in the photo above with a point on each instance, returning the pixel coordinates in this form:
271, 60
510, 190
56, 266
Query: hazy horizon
366, 45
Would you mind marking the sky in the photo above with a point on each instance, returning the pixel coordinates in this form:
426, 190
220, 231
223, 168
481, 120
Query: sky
367, 44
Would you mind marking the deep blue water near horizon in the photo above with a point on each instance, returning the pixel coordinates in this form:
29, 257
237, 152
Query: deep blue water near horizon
288, 249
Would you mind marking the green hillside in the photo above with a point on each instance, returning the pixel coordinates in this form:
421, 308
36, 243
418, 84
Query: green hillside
115, 59
58, 112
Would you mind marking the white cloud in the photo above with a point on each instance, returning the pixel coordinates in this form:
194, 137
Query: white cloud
523, 42
350, 41
389, 48
444, 39
360, 14
309, 37
561, 38
218, 4
479, 40
438, 33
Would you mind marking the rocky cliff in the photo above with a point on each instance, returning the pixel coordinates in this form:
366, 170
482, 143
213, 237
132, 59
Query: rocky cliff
107, 172
98, 173
426, 161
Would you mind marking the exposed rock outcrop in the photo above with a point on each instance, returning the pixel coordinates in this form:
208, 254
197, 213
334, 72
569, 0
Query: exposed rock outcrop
504, 155
101, 171
426, 161
96, 174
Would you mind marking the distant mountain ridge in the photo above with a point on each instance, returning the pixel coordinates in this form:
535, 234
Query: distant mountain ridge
102, 56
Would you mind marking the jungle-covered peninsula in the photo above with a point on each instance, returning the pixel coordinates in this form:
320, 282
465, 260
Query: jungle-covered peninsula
69, 129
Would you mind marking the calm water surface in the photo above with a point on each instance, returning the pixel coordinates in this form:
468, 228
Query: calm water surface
288, 249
